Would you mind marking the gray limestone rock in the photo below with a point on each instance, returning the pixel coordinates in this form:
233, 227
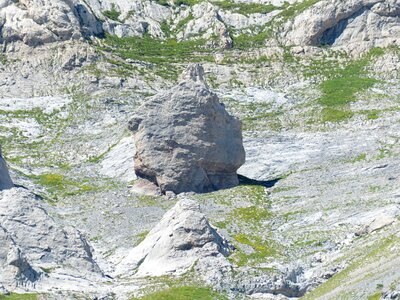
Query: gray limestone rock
185, 139
207, 24
5, 179
355, 25
33, 245
180, 240
36, 22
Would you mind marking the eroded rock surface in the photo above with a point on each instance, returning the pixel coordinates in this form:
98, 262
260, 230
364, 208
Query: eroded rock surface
206, 23
33, 245
185, 139
180, 240
356, 24
36, 22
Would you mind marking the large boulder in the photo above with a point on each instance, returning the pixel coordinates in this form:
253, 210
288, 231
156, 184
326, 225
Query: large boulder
186, 140
182, 239
5, 179
34, 246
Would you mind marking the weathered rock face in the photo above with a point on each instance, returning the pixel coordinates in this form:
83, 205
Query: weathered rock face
206, 23
356, 25
186, 140
32, 244
182, 239
5, 179
136, 17
36, 22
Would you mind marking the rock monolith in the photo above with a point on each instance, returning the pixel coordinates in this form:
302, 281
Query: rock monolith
185, 139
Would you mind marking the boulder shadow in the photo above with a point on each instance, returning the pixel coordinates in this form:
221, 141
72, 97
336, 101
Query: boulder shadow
243, 180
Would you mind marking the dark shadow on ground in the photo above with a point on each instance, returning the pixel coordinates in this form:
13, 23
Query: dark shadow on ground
243, 180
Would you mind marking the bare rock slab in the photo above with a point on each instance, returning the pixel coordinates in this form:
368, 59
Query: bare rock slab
185, 139
34, 246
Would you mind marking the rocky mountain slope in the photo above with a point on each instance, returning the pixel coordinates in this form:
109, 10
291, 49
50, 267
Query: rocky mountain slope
315, 85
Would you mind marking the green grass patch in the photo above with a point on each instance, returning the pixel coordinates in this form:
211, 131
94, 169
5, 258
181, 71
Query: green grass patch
247, 225
343, 85
375, 296
14, 296
161, 54
246, 41
261, 250
185, 293
292, 10
246, 8
373, 115
252, 215
360, 157
112, 14
343, 89
153, 50
330, 114
58, 184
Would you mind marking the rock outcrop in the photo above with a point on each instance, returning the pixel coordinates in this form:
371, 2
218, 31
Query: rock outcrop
36, 22
355, 25
185, 139
136, 18
180, 240
205, 23
5, 179
33, 245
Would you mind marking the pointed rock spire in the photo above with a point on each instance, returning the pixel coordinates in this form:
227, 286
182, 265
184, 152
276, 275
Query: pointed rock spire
194, 73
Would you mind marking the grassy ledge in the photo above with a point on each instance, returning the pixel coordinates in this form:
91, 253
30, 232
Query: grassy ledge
14, 296
184, 293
